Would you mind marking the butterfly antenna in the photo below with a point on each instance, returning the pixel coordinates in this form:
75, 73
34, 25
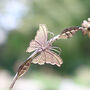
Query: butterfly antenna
55, 51
51, 33
13, 82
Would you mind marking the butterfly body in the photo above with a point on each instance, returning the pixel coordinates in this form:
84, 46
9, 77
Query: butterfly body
47, 46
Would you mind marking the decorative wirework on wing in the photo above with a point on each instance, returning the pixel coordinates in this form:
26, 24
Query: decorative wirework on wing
69, 32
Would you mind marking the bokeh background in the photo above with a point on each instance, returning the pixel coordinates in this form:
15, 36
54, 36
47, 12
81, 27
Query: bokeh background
19, 22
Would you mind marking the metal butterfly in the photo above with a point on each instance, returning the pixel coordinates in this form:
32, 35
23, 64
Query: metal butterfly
42, 45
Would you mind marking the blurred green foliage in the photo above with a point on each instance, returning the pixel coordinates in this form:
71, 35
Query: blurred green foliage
57, 15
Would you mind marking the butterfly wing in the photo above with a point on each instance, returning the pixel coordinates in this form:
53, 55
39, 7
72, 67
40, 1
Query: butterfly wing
40, 59
33, 46
48, 57
41, 36
40, 39
53, 58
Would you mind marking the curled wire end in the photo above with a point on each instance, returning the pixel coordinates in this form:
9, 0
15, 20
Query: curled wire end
51, 33
13, 82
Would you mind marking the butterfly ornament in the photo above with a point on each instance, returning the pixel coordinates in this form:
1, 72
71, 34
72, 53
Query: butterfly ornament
42, 45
